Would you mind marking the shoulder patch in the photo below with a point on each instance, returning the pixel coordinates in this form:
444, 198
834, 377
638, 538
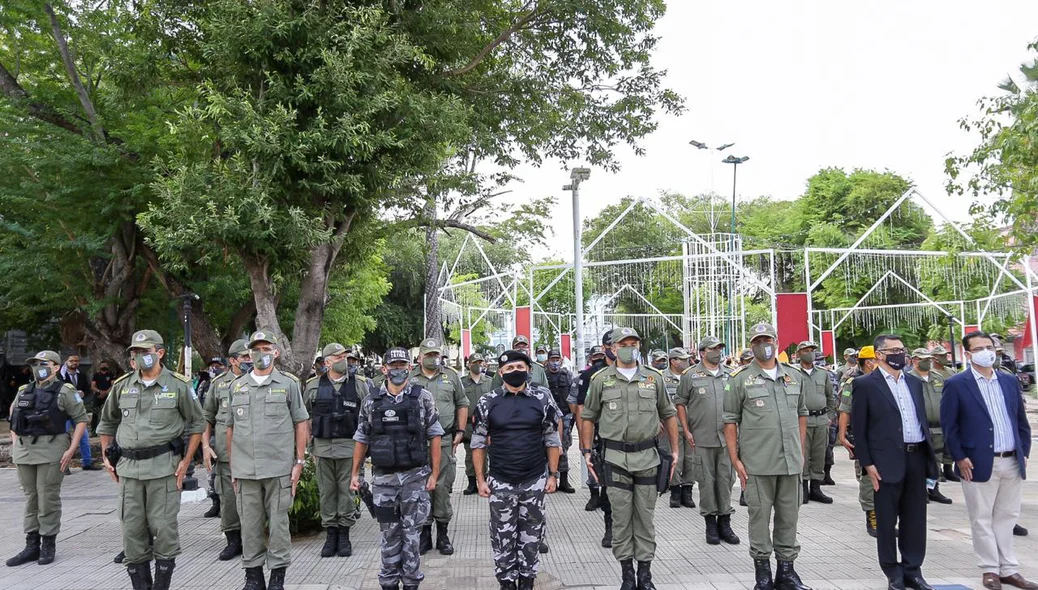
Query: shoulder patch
23, 388
291, 376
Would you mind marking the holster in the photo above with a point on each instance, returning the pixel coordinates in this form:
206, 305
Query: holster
663, 477
113, 452
368, 499
386, 514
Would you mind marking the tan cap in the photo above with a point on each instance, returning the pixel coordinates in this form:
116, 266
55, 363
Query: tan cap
332, 349
430, 345
678, 353
520, 339
658, 354
921, 353
850, 352
144, 339
806, 344
262, 336
709, 342
619, 334
45, 355
938, 350
763, 329
238, 348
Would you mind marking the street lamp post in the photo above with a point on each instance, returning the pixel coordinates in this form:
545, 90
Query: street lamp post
190, 482
577, 175
734, 161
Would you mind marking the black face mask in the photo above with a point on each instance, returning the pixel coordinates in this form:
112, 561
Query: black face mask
515, 378
896, 361
609, 354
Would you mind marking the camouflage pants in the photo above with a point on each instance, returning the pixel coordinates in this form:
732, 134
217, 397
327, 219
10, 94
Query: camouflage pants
401, 510
516, 527
567, 441
229, 519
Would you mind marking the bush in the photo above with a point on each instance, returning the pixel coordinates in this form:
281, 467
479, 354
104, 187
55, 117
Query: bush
305, 514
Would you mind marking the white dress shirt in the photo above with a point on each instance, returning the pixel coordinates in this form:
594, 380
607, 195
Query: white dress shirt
991, 391
910, 428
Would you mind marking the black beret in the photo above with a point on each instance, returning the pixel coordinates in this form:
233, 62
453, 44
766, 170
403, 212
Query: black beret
510, 356
607, 338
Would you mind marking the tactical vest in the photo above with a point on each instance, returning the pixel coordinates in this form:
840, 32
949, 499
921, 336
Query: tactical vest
335, 413
36, 411
398, 433
559, 384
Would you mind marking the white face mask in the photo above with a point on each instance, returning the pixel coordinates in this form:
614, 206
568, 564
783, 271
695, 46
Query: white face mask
984, 358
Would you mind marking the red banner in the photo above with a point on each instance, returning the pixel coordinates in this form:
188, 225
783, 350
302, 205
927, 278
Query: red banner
791, 309
523, 323
567, 344
1027, 333
829, 345
466, 343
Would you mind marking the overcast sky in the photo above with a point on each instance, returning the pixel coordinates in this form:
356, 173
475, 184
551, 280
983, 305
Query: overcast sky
800, 85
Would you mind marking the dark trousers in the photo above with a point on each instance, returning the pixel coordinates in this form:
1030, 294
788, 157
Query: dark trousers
903, 505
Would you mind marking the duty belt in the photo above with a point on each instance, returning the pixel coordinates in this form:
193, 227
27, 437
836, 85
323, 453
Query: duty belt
611, 470
817, 412
627, 447
151, 452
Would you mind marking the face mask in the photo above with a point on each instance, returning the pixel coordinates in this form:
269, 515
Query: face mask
764, 352
807, 357
398, 376
609, 354
245, 366
42, 372
712, 356
104, 370
341, 367
554, 365
475, 368
661, 365
984, 358
896, 361
431, 362
628, 354
925, 365
146, 361
262, 360
214, 373
351, 370
515, 378
680, 366
541, 358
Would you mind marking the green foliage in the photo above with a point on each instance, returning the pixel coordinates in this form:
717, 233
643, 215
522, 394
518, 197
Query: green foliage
305, 513
354, 292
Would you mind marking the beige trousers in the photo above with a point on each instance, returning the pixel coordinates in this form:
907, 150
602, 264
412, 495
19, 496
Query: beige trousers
994, 508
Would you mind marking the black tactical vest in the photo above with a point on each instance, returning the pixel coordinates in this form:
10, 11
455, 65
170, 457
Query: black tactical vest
36, 411
559, 384
398, 441
335, 412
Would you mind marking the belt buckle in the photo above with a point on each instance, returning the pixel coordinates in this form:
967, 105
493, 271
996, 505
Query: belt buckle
910, 447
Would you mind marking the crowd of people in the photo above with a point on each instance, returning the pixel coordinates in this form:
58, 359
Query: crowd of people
645, 428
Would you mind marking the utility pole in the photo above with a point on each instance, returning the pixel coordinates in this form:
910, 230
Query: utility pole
577, 175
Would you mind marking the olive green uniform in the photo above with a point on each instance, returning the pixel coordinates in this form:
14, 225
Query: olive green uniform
38, 460
141, 416
449, 394
473, 391
933, 387
866, 495
263, 447
630, 411
702, 393
768, 415
217, 403
820, 401
334, 458
684, 473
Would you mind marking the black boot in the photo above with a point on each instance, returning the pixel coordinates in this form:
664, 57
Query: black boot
331, 542
443, 542
724, 530
472, 489
525, 583
870, 523
607, 538
233, 548
30, 553
828, 481
712, 537
345, 546
140, 575
214, 510
686, 497
1019, 531
425, 541
936, 495
675, 496
411, 587
277, 579
163, 574
786, 577
645, 576
627, 580
949, 474
544, 547
47, 549
762, 574
807, 491
119, 557
593, 501
565, 488
817, 495
253, 579
742, 502
505, 585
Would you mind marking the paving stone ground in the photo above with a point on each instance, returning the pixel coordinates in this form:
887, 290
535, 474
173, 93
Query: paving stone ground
836, 552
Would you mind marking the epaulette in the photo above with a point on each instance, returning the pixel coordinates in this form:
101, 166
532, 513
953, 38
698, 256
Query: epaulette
653, 369
23, 387
737, 370
122, 378
595, 374
181, 377
312, 379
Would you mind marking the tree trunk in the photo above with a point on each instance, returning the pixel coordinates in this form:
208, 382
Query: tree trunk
433, 326
267, 306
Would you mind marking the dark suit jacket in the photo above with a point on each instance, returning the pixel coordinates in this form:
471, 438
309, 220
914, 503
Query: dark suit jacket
876, 418
968, 429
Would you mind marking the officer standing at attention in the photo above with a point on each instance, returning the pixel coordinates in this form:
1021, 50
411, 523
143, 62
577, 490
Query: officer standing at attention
41, 450
685, 473
866, 498
522, 344
765, 415
818, 395
629, 401
476, 383
266, 436
452, 405
933, 387
333, 402
399, 426
148, 413
560, 382
700, 405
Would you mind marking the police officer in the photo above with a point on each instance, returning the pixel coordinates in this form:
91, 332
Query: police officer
834, 381
400, 430
820, 400
560, 383
850, 362
941, 366
333, 402
629, 401
866, 498
745, 358
519, 424
522, 344
676, 363
933, 387
148, 413
266, 436
215, 409
765, 415
700, 405
452, 406
597, 360
42, 450
476, 383
659, 360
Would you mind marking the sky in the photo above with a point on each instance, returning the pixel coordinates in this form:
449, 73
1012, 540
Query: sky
801, 85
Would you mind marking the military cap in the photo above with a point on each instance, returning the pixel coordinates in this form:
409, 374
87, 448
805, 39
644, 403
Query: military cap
595, 350
746, 355
659, 354
867, 352
806, 344
850, 352
554, 353
333, 349
511, 356
262, 336
763, 329
475, 357
607, 338
238, 348
938, 350
678, 353
997, 341
619, 334
45, 355
429, 345
709, 342
352, 354
396, 354
542, 348
921, 353
144, 339
520, 339
218, 360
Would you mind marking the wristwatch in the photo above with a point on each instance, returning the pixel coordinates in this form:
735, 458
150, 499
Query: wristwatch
554, 474
300, 461
585, 451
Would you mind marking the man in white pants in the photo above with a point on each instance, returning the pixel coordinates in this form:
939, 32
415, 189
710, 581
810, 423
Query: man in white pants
987, 435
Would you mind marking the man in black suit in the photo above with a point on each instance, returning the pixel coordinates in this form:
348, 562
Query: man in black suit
892, 442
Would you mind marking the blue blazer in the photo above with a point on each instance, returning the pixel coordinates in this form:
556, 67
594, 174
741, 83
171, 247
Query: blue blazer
968, 429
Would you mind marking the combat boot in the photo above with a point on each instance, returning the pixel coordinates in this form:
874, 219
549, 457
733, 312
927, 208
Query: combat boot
645, 576
786, 577
508, 585
331, 542
762, 575
724, 530
742, 500
949, 474
119, 557
627, 580
607, 538
277, 579
30, 553
393, 586
564, 486
525, 583
345, 546
870, 523
675, 496
936, 495
472, 489
443, 542
828, 481
817, 495
712, 538
415, 587
425, 540
140, 575
163, 574
543, 547
807, 491
686, 497
214, 510
1019, 531
47, 549
593, 501
233, 548
253, 579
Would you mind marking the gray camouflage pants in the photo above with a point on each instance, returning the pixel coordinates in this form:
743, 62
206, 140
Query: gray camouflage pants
516, 527
401, 510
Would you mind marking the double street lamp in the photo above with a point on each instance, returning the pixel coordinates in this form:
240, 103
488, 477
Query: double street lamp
577, 175
734, 161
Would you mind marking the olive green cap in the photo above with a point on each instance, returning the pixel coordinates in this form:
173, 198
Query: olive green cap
746, 355
619, 334
763, 329
144, 339
475, 357
332, 349
430, 345
678, 353
262, 336
45, 355
659, 354
921, 353
709, 342
806, 344
238, 348
938, 350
